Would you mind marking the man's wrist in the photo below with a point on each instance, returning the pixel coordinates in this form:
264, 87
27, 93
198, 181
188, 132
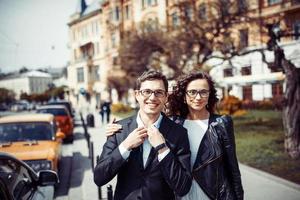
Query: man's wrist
160, 147
163, 150
126, 146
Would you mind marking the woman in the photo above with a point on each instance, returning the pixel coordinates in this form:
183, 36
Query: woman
214, 164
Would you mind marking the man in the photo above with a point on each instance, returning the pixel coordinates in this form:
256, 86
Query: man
151, 153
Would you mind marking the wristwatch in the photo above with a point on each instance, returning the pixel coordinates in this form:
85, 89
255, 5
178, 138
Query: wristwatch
159, 147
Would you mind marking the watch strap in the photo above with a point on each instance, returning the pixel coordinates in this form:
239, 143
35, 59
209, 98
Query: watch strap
159, 147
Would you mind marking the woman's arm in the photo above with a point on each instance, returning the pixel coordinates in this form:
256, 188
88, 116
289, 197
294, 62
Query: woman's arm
231, 159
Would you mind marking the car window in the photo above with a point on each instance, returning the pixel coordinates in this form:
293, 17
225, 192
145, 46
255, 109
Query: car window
54, 111
13, 132
66, 104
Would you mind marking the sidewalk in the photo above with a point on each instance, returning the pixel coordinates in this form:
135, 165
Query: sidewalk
258, 185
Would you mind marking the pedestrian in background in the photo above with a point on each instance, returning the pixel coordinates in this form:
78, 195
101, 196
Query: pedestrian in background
106, 110
150, 154
214, 163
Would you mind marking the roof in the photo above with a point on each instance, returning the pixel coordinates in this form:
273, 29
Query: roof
36, 74
95, 5
34, 117
28, 74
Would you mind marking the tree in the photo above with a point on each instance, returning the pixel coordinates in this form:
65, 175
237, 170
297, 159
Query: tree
204, 34
6, 96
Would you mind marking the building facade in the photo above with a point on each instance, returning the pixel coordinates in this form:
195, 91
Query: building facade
33, 82
96, 32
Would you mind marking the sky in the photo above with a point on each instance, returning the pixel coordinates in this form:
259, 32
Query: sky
34, 33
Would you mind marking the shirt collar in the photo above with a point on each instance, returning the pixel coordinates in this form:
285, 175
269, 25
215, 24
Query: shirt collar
141, 124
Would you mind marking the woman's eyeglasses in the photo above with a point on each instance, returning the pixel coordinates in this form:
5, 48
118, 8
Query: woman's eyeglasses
194, 93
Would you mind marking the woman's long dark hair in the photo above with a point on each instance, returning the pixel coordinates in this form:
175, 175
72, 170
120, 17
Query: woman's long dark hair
176, 103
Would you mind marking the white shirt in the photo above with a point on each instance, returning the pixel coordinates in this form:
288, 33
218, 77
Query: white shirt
196, 130
146, 145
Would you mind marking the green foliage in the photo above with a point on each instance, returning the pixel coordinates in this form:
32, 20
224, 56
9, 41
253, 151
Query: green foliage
6, 96
259, 143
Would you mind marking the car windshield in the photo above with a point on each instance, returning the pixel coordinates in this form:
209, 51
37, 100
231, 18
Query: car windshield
66, 104
53, 111
13, 132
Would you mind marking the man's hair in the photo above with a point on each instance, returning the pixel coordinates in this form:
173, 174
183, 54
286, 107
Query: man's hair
149, 76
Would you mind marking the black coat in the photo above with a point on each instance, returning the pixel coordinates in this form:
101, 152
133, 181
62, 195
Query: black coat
158, 180
216, 167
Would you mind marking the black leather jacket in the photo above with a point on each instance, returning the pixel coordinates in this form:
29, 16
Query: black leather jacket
216, 167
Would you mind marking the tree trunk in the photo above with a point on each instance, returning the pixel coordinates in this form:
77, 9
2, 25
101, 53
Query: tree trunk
291, 109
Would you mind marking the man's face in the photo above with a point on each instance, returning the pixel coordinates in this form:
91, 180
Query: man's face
151, 97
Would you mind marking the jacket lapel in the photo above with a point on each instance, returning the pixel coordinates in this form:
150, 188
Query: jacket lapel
138, 151
205, 144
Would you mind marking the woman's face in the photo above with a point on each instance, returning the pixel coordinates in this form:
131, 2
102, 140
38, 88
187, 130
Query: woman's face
196, 95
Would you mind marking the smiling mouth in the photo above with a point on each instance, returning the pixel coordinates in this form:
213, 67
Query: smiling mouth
152, 105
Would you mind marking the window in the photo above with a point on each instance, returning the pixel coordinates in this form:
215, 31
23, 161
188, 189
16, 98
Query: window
246, 71
202, 12
243, 38
242, 5
127, 12
297, 30
80, 75
75, 54
175, 19
146, 3
277, 90
96, 73
271, 2
113, 40
115, 60
228, 72
188, 12
247, 92
117, 13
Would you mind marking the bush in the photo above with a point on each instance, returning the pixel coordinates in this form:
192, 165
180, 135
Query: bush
267, 104
230, 105
120, 108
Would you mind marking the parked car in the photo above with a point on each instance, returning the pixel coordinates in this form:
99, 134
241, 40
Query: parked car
19, 182
67, 104
62, 116
33, 138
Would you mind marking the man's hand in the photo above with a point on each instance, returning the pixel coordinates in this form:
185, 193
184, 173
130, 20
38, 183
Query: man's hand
155, 137
135, 138
112, 129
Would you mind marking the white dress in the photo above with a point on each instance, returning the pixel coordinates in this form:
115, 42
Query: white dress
196, 130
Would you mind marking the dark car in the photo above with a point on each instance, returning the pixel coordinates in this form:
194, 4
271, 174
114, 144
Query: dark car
67, 104
19, 182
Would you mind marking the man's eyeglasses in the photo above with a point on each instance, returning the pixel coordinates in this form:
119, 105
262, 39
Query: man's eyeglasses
157, 93
194, 93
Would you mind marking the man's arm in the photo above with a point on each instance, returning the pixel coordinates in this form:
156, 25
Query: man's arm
175, 166
110, 162
111, 158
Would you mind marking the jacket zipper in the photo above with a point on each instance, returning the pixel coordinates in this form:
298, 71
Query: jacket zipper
206, 163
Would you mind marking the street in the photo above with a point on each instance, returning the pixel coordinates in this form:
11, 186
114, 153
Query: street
76, 177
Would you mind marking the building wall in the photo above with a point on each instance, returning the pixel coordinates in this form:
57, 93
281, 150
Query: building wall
18, 85
116, 17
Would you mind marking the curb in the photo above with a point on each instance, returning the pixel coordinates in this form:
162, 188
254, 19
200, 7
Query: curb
277, 179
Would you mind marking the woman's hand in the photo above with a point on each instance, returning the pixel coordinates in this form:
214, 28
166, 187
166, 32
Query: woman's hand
112, 128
